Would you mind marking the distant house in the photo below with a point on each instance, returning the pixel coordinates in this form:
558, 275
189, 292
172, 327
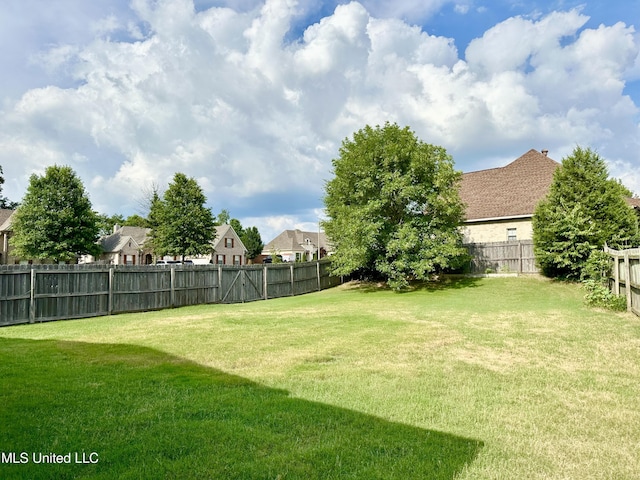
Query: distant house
228, 249
296, 245
5, 233
500, 202
125, 246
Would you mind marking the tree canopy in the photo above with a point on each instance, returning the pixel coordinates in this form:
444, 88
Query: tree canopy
583, 209
4, 201
252, 241
55, 220
393, 206
180, 223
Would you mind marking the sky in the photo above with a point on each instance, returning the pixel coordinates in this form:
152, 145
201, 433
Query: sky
254, 98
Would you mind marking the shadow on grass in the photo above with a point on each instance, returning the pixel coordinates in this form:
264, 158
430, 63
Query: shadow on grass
444, 283
147, 414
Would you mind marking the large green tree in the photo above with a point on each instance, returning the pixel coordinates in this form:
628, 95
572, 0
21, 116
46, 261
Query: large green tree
181, 224
583, 209
252, 241
55, 220
393, 206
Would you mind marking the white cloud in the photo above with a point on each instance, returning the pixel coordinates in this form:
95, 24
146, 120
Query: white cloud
222, 95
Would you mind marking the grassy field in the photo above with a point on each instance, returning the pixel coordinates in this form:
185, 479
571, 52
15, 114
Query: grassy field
499, 378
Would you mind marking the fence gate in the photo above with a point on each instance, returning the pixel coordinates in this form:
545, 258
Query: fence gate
241, 285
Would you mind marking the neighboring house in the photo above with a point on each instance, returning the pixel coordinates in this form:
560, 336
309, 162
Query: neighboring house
125, 246
500, 202
228, 249
5, 233
296, 245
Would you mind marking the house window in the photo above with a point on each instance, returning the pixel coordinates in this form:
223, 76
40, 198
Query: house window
228, 242
237, 260
512, 236
220, 259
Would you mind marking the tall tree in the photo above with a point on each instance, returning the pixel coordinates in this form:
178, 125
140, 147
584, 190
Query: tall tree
583, 209
393, 207
4, 201
55, 220
106, 223
223, 217
252, 241
181, 224
237, 226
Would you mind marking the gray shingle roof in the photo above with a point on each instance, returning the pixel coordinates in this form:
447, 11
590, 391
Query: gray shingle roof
5, 223
293, 240
116, 241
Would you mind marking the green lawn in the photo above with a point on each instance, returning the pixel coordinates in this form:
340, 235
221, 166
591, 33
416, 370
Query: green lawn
499, 378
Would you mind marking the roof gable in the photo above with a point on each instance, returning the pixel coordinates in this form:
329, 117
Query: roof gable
510, 191
227, 230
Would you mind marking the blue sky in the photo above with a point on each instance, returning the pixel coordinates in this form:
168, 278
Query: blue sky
253, 98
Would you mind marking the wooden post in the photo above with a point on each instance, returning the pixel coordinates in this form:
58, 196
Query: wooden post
243, 283
220, 294
110, 301
616, 275
173, 287
292, 285
265, 283
318, 274
520, 256
32, 300
627, 282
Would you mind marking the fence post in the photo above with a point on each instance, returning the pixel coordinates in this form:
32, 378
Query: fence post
110, 301
173, 287
265, 283
616, 275
520, 256
292, 284
318, 274
627, 282
243, 282
32, 299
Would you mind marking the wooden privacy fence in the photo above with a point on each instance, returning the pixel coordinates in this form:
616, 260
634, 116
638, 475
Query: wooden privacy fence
626, 275
43, 293
502, 257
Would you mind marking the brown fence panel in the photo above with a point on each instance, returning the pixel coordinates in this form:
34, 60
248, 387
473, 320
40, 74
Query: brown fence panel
15, 295
326, 279
279, 282
195, 285
305, 278
140, 288
502, 257
69, 291
42, 293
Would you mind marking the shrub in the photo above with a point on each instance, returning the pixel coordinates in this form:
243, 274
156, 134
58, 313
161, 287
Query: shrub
595, 278
599, 295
